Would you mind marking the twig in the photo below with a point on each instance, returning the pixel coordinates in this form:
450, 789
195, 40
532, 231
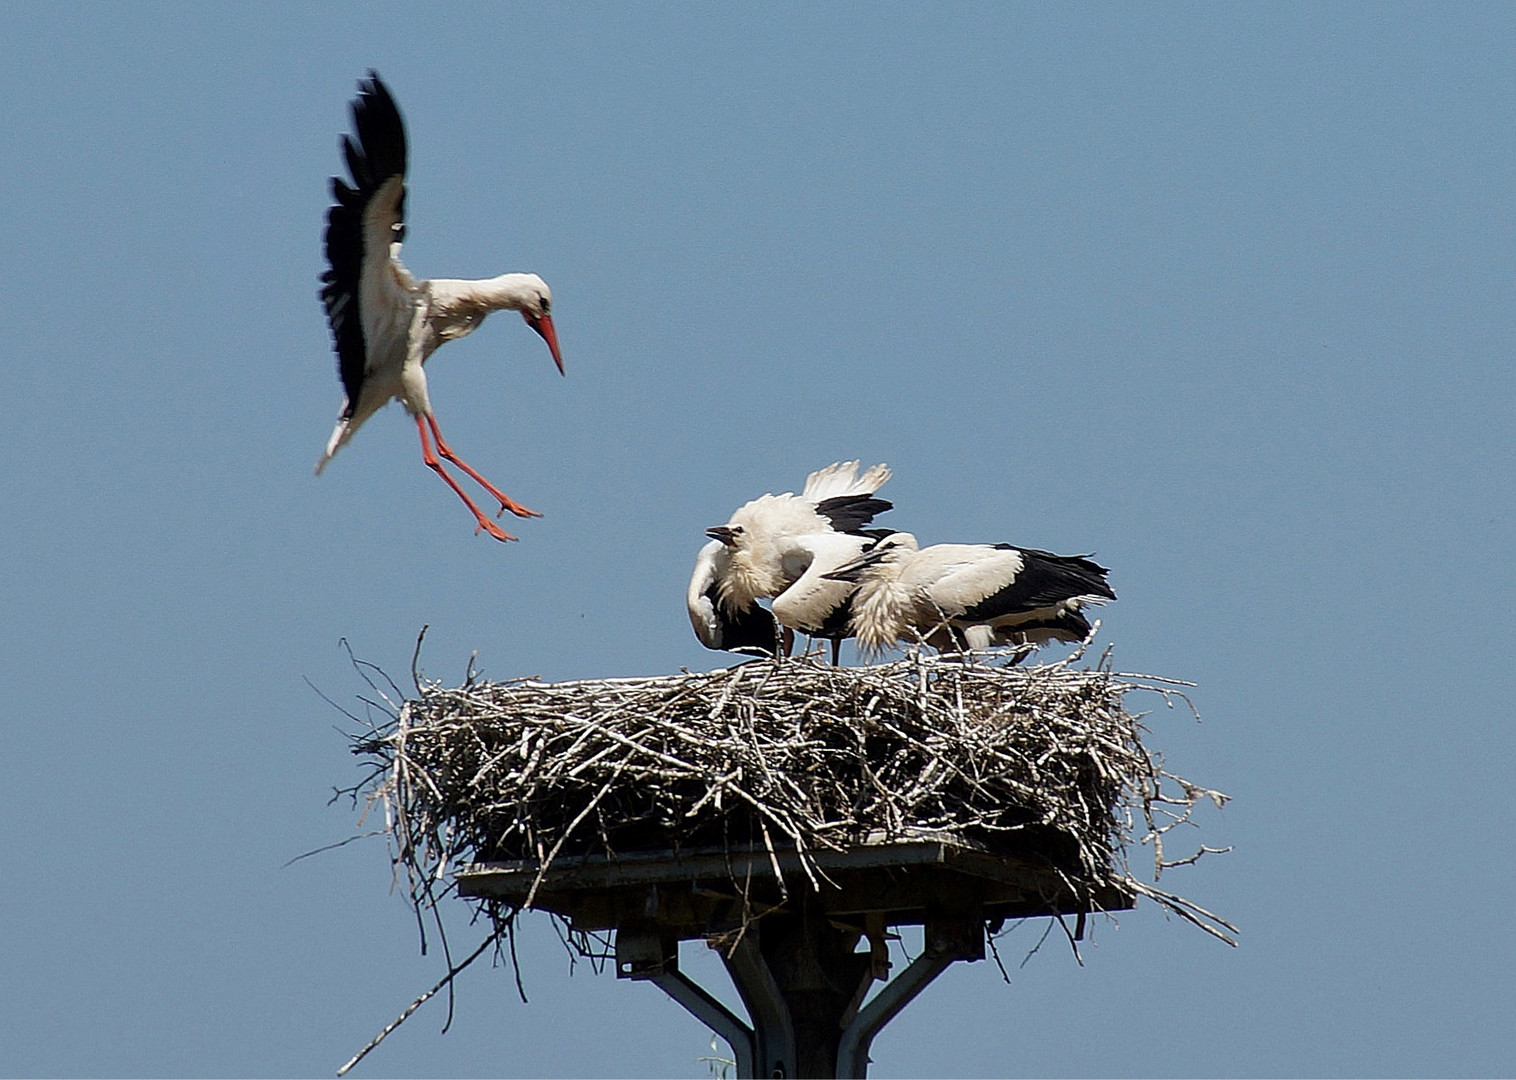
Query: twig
420, 1001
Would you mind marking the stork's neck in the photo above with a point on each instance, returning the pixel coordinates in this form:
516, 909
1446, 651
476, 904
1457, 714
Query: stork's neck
753, 573
881, 607
456, 307
510, 292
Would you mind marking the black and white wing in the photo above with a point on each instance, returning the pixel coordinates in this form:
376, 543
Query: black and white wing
363, 287
850, 513
1042, 580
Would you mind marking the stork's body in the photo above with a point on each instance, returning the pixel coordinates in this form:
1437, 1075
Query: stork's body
978, 595
749, 628
770, 547
819, 606
385, 323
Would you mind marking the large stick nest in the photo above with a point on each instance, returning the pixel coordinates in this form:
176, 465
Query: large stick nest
788, 754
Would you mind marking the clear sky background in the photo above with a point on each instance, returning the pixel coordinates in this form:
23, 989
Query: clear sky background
1220, 292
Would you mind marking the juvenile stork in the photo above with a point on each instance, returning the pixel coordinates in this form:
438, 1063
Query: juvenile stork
777, 547
385, 323
974, 595
750, 629
816, 604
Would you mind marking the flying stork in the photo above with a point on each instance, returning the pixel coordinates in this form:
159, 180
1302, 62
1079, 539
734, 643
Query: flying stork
777, 547
385, 323
974, 595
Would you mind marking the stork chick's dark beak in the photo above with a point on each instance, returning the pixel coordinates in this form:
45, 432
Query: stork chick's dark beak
852, 572
722, 533
543, 324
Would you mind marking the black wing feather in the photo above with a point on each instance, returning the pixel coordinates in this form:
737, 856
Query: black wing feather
850, 513
837, 623
752, 630
1045, 579
378, 154
1067, 625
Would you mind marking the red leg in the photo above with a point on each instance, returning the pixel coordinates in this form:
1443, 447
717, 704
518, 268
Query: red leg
436, 466
506, 503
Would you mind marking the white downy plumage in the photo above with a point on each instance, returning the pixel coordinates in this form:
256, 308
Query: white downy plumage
778, 547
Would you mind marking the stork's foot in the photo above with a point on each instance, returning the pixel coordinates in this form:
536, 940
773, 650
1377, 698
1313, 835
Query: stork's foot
494, 530
507, 503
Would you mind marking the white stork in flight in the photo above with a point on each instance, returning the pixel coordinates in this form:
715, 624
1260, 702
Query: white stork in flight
779, 547
385, 323
978, 595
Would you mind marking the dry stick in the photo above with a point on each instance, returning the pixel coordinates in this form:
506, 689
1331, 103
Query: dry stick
416, 659
665, 758
1195, 858
542, 869
420, 1001
768, 842
1046, 931
994, 952
1073, 942
334, 847
510, 927
1185, 909
726, 695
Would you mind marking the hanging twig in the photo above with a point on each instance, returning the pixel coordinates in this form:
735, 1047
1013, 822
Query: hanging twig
420, 1001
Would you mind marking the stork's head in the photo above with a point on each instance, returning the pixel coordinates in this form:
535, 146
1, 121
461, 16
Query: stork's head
727, 534
537, 309
754, 569
886, 553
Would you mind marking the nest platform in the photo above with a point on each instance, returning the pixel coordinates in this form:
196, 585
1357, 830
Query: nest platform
784, 811
705, 894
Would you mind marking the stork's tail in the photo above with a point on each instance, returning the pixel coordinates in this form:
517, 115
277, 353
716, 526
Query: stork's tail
340, 434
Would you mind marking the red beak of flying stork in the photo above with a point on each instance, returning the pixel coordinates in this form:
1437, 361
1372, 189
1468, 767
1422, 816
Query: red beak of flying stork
543, 324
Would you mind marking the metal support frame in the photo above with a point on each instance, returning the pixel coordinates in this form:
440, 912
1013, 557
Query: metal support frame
774, 1051
768, 1047
793, 956
858, 1036
711, 1013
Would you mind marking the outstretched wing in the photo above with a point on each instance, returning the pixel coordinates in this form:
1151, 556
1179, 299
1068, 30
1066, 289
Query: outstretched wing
366, 218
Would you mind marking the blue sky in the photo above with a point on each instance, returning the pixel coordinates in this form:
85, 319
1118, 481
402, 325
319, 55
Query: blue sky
1219, 292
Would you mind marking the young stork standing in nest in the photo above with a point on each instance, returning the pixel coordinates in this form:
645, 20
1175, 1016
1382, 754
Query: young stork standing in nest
385, 323
974, 595
779, 548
